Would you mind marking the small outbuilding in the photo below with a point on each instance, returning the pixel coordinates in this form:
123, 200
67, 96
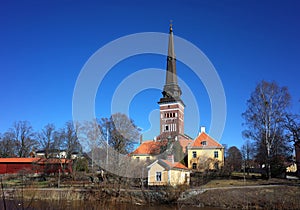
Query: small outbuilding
164, 172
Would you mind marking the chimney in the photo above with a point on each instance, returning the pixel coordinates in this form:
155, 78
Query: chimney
154, 139
170, 158
202, 129
141, 138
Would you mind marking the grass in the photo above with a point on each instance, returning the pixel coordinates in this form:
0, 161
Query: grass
280, 197
248, 182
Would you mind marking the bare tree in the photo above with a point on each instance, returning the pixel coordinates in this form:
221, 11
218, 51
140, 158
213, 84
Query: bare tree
69, 139
22, 133
122, 132
8, 146
46, 138
234, 159
264, 117
91, 132
247, 151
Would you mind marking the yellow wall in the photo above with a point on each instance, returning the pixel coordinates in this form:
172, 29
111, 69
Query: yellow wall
152, 175
291, 168
205, 158
170, 177
178, 177
143, 157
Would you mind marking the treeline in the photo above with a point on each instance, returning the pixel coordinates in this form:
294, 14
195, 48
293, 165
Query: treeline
271, 132
21, 139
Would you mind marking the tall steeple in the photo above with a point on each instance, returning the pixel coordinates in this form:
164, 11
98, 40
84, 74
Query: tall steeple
171, 106
172, 91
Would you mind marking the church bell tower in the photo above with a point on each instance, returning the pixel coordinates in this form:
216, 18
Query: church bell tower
171, 106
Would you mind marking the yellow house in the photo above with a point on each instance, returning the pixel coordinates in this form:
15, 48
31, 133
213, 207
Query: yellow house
292, 168
163, 172
146, 151
205, 153
149, 150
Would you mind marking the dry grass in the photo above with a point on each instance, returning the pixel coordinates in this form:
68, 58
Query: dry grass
238, 180
233, 182
282, 197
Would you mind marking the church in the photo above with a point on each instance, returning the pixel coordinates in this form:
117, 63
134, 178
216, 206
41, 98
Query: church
200, 153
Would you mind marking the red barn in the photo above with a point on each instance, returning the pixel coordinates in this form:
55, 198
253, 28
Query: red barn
34, 165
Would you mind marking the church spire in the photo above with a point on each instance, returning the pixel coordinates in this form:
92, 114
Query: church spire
172, 91
170, 105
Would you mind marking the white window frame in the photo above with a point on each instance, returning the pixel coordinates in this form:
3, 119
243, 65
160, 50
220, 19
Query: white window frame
158, 174
194, 154
216, 154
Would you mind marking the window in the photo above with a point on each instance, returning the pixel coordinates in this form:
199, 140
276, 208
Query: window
216, 154
158, 176
167, 128
138, 159
194, 154
147, 159
203, 143
194, 165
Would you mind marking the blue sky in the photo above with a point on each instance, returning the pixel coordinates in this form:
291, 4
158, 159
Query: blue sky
45, 44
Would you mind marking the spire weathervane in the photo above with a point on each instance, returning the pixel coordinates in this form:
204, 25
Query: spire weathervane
171, 25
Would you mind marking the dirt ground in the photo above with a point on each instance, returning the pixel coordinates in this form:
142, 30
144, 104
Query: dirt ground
275, 197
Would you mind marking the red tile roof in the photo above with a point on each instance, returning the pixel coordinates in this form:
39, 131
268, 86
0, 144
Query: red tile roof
174, 165
210, 142
148, 148
18, 160
153, 147
32, 160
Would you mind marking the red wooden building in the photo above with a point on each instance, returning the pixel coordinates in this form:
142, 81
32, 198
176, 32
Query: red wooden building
34, 165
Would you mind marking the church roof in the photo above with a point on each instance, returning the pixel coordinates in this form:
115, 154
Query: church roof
185, 143
205, 141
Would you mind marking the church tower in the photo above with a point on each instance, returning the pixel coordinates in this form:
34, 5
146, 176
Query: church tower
171, 106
